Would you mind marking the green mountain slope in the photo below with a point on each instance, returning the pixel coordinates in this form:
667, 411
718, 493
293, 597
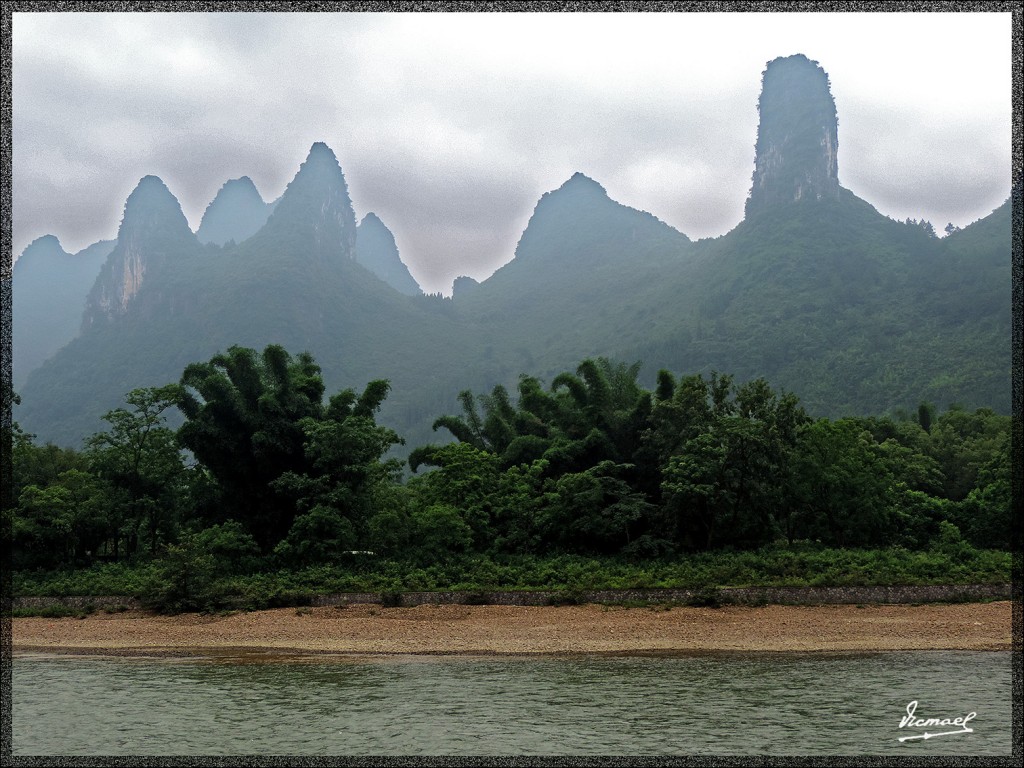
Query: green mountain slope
852, 311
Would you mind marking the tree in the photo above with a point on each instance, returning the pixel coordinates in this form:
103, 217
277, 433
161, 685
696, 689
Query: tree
466, 480
62, 524
602, 404
962, 443
488, 423
845, 493
40, 465
318, 536
242, 422
439, 532
346, 479
286, 464
925, 415
139, 456
594, 511
725, 459
985, 515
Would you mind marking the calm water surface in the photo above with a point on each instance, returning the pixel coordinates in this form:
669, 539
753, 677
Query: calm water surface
732, 704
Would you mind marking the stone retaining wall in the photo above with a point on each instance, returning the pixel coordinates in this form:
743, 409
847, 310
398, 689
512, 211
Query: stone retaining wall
112, 603
728, 595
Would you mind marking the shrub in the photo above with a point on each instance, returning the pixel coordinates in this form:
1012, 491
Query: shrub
56, 611
182, 580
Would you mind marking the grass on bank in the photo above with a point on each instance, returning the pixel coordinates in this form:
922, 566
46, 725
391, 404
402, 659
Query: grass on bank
198, 585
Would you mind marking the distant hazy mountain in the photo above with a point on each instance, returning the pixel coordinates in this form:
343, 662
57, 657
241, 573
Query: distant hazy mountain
376, 250
49, 290
814, 290
315, 210
236, 213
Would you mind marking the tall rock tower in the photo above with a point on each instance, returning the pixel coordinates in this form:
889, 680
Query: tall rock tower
797, 138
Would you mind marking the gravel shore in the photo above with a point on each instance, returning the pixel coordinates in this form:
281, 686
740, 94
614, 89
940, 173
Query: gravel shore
491, 629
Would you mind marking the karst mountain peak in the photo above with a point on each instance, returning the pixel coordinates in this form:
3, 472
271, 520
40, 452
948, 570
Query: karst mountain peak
796, 155
151, 205
153, 230
316, 207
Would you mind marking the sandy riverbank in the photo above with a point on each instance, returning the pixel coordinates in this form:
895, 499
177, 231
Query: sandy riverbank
490, 629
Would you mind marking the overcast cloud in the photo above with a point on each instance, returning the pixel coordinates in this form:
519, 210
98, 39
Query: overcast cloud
451, 126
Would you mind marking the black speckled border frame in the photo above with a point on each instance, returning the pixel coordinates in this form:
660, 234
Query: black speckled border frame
1016, 7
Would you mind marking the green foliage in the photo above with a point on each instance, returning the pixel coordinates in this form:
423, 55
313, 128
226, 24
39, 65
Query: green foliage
50, 612
242, 423
302, 477
802, 565
592, 481
233, 549
845, 494
182, 580
320, 535
139, 458
439, 532
63, 523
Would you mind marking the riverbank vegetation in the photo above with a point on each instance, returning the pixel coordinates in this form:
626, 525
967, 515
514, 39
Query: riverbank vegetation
269, 491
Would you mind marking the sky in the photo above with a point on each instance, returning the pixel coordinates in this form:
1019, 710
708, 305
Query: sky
451, 126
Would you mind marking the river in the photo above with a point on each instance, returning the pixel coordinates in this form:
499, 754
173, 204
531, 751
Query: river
720, 704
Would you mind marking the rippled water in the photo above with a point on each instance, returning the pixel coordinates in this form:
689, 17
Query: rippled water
741, 704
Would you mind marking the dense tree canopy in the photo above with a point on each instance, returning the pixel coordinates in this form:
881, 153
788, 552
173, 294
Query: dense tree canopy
264, 472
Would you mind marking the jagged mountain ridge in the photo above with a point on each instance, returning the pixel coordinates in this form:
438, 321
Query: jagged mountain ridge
296, 283
852, 311
819, 293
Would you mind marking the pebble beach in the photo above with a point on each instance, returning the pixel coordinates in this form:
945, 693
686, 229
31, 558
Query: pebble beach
518, 630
